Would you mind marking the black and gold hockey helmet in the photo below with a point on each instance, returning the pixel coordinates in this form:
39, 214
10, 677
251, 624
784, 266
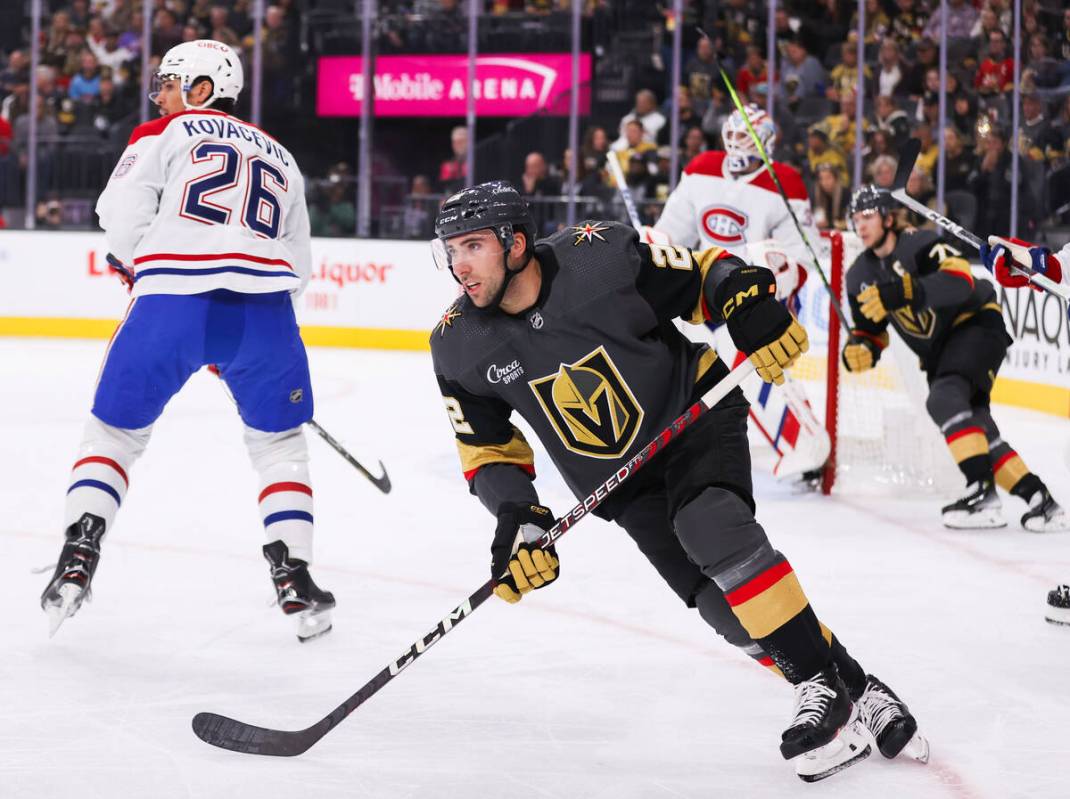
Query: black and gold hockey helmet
495, 205
870, 196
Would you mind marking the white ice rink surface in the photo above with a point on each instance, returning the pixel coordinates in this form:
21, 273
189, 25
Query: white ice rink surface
603, 685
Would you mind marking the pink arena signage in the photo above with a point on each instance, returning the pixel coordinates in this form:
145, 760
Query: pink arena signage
507, 84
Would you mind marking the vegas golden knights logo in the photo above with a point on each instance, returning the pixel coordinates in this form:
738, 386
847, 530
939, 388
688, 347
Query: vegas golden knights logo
590, 406
917, 323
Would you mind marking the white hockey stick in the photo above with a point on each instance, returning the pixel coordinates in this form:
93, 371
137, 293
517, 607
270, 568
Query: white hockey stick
613, 164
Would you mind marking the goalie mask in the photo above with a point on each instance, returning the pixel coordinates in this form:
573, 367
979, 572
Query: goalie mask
739, 143
202, 58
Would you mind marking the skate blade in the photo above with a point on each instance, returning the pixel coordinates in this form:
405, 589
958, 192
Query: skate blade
70, 599
1058, 524
986, 520
851, 745
1059, 616
917, 748
312, 625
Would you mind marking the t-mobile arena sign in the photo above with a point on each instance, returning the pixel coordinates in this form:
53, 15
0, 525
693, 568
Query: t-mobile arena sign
507, 84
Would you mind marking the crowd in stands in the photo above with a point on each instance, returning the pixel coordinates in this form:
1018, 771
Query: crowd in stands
89, 85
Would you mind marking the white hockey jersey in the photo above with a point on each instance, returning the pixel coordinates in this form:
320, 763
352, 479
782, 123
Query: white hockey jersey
201, 200
712, 207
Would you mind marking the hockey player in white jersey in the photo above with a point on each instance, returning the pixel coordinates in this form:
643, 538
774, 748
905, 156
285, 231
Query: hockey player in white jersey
728, 199
998, 258
208, 215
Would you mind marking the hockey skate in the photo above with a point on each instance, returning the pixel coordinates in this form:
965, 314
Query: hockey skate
297, 594
824, 736
979, 509
70, 583
1045, 515
888, 719
1058, 610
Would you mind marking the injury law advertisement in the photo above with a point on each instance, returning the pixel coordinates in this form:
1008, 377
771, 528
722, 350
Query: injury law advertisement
1038, 323
506, 84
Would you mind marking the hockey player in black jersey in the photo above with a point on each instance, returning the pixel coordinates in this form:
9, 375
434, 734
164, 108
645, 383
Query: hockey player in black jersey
923, 287
575, 333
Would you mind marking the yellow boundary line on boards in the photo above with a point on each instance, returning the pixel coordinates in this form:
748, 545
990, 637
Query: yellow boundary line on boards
1036, 396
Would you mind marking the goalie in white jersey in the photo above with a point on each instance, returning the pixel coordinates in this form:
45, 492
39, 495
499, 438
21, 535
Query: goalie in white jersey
208, 215
728, 199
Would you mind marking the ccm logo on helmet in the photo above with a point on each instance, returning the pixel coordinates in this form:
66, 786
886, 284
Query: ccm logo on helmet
724, 224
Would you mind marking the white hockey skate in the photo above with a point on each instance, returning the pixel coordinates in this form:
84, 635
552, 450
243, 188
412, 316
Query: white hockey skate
1045, 515
852, 745
980, 509
1058, 608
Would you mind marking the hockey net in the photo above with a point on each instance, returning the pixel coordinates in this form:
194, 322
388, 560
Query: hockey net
882, 437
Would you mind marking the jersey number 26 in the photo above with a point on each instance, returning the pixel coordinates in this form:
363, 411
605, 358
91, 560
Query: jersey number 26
260, 211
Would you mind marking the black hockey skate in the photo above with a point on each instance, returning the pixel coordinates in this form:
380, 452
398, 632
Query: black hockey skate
70, 583
297, 594
888, 718
979, 509
824, 736
1044, 514
1058, 610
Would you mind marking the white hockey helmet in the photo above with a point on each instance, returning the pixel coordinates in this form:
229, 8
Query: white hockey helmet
202, 58
738, 142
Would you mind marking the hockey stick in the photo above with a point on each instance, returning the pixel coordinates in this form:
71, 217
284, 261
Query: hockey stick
907, 156
613, 164
784, 196
382, 483
237, 736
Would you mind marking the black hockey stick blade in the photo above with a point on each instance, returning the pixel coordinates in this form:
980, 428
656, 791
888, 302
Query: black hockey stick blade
908, 156
382, 482
227, 733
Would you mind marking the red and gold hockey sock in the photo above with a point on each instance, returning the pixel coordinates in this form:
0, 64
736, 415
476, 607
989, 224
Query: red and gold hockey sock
1012, 474
775, 612
969, 448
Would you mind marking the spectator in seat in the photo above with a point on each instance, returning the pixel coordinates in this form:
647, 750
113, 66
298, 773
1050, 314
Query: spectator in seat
890, 75
877, 22
687, 115
987, 21
930, 150
995, 74
694, 144
700, 74
959, 161
17, 71
333, 212
991, 184
451, 172
166, 31
908, 22
85, 85
961, 16
536, 180
111, 56
925, 58
753, 71
109, 108
1040, 141
920, 187
819, 153
594, 149
891, 119
830, 199
801, 75
635, 145
646, 112
883, 171
844, 76
221, 30
841, 125
964, 112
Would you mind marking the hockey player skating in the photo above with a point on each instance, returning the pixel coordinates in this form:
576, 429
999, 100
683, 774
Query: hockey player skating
923, 287
998, 258
727, 199
208, 213
575, 334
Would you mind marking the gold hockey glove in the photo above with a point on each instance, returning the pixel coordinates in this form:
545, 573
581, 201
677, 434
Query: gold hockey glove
771, 360
517, 562
878, 300
863, 350
759, 325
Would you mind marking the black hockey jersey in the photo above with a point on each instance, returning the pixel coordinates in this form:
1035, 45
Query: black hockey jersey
949, 296
596, 366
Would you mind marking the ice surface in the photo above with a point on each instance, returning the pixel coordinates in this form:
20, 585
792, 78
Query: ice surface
603, 685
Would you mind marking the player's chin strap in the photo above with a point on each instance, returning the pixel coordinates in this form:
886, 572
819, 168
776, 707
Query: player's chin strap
496, 301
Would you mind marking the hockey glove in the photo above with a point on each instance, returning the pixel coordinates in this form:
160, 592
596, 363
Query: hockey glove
891, 295
517, 562
998, 260
124, 273
759, 325
863, 350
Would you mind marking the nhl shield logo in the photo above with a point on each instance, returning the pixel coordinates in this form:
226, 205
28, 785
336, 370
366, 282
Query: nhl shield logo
590, 406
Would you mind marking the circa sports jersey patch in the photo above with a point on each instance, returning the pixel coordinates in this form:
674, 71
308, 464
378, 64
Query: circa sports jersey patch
588, 231
125, 166
590, 406
725, 224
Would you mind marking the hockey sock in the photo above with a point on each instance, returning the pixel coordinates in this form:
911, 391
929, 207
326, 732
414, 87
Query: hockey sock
281, 461
963, 427
1010, 471
100, 476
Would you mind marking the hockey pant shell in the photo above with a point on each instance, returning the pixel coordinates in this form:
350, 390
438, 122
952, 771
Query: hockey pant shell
959, 399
